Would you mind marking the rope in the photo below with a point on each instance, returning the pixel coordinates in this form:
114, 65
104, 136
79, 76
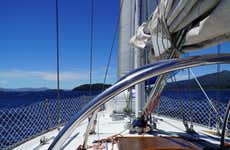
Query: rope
91, 46
58, 64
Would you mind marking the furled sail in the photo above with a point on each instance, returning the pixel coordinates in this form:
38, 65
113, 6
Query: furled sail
133, 13
184, 25
126, 52
177, 26
129, 23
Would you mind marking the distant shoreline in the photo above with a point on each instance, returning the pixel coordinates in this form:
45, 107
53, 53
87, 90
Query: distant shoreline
216, 90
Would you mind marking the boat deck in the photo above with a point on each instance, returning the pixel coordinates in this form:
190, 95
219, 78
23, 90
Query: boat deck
107, 128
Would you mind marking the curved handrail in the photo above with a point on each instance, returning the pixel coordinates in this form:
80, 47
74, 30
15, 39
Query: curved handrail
133, 78
225, 124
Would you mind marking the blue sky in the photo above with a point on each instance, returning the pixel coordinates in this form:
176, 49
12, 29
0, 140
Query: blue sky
27, 37
199, 71
28, 53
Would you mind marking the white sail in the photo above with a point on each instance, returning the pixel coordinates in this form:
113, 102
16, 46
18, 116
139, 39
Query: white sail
204, 22
133, 13
129, 24
126, 31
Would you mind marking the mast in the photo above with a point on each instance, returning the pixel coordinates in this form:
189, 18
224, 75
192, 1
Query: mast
133, 14
139, 61
142, 10
129, 57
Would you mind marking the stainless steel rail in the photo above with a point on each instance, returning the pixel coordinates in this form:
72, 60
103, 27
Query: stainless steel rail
135, 77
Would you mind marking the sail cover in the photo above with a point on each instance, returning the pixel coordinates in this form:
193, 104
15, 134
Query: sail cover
184, 24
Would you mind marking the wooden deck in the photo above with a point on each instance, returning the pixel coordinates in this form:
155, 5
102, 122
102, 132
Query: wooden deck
155, 143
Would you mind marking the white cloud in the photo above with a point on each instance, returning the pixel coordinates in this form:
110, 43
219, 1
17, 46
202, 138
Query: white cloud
69, 79
3, 82
180, 77
44, 75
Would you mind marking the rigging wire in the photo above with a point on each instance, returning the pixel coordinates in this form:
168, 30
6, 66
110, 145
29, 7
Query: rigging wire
58, 63
112, 45
91, 46
218, 69
205, 94
190, 98
94, 114
111, 51
108, 63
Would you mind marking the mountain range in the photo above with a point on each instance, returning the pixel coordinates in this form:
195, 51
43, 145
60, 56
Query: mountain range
93, 87
24, 89
219, 80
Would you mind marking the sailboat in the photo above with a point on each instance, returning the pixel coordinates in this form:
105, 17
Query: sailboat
153, 37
